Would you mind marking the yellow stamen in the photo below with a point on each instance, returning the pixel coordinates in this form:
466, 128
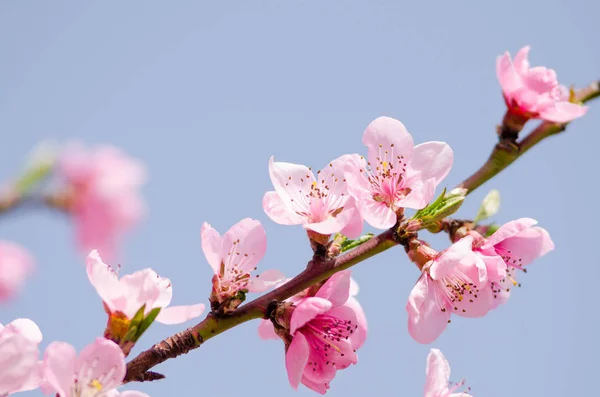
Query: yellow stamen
96, 385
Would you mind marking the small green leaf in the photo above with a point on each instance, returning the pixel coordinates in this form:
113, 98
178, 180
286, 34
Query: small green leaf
348, 244
131, 334
489, 206
146, 322
138, 317
443, 206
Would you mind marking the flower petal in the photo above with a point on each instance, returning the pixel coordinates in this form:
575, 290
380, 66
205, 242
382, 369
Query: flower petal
101, 358
244, 245
276, 209
306, 310
266, 330
509, 79
437, 374
563, 112
359, 336
266, 280
336, 289
426, 320
133, 393
451, 258
433, 160
292, 182
211, 246
528, 245
377, 214
296, 358
27, 328
387, 134
179, 314
334, 224
141, 288
521, 62
103, 278
509, 229
59, 367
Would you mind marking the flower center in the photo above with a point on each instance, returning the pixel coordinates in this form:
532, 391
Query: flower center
89, 384
329, 337
458, 289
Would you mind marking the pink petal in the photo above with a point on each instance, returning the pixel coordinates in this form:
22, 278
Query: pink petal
528, 245
244, 245
377, 214
15, 266
509, 229
437, 374
354, 288
306, 310
296, 359
59, 367
426, 320
266, 330
103, 278
422, 192
563, 112
521, 62
433, 160
211, 246
509, 79
336, 289
101, 358
18, 360
356, 181
266, 280
165, 292
386, 133
319, 387
354, 227
27, 328
276, 209
451, 258
292, 182
359, 336
494, 264
140, 288
335, 224
332, 176
33, 379
179, 314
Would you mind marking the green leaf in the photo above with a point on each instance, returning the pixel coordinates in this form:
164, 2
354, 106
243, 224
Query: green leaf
442, 207
39, 164
348, 244
138, 317
146, 322
489, 206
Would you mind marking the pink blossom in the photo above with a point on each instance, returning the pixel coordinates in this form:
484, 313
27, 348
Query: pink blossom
234, 256
15, 265
438, 377
97, 371
453, 281
323, 335
320, 204
126, 295
266, 330
20, 369
105, 201
512, 247
397, 175
534, 92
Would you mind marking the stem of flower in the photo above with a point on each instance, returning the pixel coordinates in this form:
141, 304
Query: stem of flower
505, 152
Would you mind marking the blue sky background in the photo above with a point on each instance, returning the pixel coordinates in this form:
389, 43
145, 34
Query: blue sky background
204, 92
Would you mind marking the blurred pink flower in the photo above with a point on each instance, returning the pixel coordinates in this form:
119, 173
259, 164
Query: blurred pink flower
534, 92
15, 265
234, 256
104, 199
512, 247
20, 368
320, 204
438, 377
453, 281
397, 175
127, 295
97, 371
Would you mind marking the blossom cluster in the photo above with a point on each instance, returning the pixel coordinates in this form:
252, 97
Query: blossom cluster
323, 326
